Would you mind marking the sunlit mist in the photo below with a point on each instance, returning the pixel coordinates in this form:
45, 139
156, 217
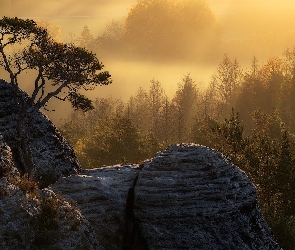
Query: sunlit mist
166, 40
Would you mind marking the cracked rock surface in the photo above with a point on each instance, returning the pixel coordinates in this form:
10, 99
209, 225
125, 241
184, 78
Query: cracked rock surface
38, 219
186, 197
36, 145
101, 196
192, 197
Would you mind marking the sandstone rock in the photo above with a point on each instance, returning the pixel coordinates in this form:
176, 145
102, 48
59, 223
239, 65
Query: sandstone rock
192, 197
187, 197
38, 219
37, 147
101, 196
7, 167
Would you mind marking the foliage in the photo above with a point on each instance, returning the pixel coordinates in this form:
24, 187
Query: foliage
118, 141
47, 223
227, 80
104, 136
185, 103
257, 134
86, 38
81, 102
111, 41
4, 169
65, 67
267, 157
27, 186
166, 29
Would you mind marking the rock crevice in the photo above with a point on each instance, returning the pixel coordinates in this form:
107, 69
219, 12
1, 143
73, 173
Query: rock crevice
192, 197
186, 197
132, 239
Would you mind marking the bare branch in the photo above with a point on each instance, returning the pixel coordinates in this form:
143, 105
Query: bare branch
63, 65
42, 102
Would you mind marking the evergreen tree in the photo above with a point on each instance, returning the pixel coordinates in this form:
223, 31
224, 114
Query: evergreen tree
65, 67
185, 102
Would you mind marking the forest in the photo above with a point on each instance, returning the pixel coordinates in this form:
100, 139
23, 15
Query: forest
248, 115
245, 110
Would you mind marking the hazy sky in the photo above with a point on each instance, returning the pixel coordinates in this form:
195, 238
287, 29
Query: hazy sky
240, 17
248, 27
120, 7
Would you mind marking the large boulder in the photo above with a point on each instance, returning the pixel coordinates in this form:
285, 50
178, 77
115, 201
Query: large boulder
192, 197
36, 145
186, 197
101, 195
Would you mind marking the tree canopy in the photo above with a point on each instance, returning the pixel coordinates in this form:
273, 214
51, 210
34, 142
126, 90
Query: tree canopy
168, 28
61, 68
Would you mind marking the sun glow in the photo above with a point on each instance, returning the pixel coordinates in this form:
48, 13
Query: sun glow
246, 28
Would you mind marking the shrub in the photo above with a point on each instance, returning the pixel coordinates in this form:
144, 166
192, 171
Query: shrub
4, 170
26, 185
47, 223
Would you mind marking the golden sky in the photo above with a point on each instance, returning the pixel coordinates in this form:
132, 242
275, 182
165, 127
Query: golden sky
240, 16
248, 27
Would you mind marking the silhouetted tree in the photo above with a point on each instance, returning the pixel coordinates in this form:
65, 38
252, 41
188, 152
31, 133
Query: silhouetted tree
157, 100
166, 29
185, 102
86, 39
227, 80
111, 41
65, 67
139, 112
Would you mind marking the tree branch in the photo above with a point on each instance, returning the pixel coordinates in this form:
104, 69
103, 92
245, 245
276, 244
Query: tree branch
42, 102
7, 66
37, 86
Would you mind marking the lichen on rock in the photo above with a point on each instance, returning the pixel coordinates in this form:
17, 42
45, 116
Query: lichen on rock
38, 219
37, 147
192, 197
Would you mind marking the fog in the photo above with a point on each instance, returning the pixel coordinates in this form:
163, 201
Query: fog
240, 29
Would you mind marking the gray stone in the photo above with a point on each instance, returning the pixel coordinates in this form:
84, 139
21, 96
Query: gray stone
100, 195
37, 147
186, 197
192, 197
22, 217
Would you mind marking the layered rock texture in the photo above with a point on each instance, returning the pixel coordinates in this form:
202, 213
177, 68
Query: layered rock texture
101, 195
192, 197
37, 147
37, 219
186, 197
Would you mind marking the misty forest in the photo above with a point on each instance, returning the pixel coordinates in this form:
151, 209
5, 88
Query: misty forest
180, 76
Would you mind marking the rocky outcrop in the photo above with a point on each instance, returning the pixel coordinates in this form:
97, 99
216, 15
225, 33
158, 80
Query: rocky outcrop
101, 196
186, 197
37, 219
37, 147
192, 197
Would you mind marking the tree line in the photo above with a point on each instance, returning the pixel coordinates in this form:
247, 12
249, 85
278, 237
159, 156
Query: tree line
159, 30
247, 114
